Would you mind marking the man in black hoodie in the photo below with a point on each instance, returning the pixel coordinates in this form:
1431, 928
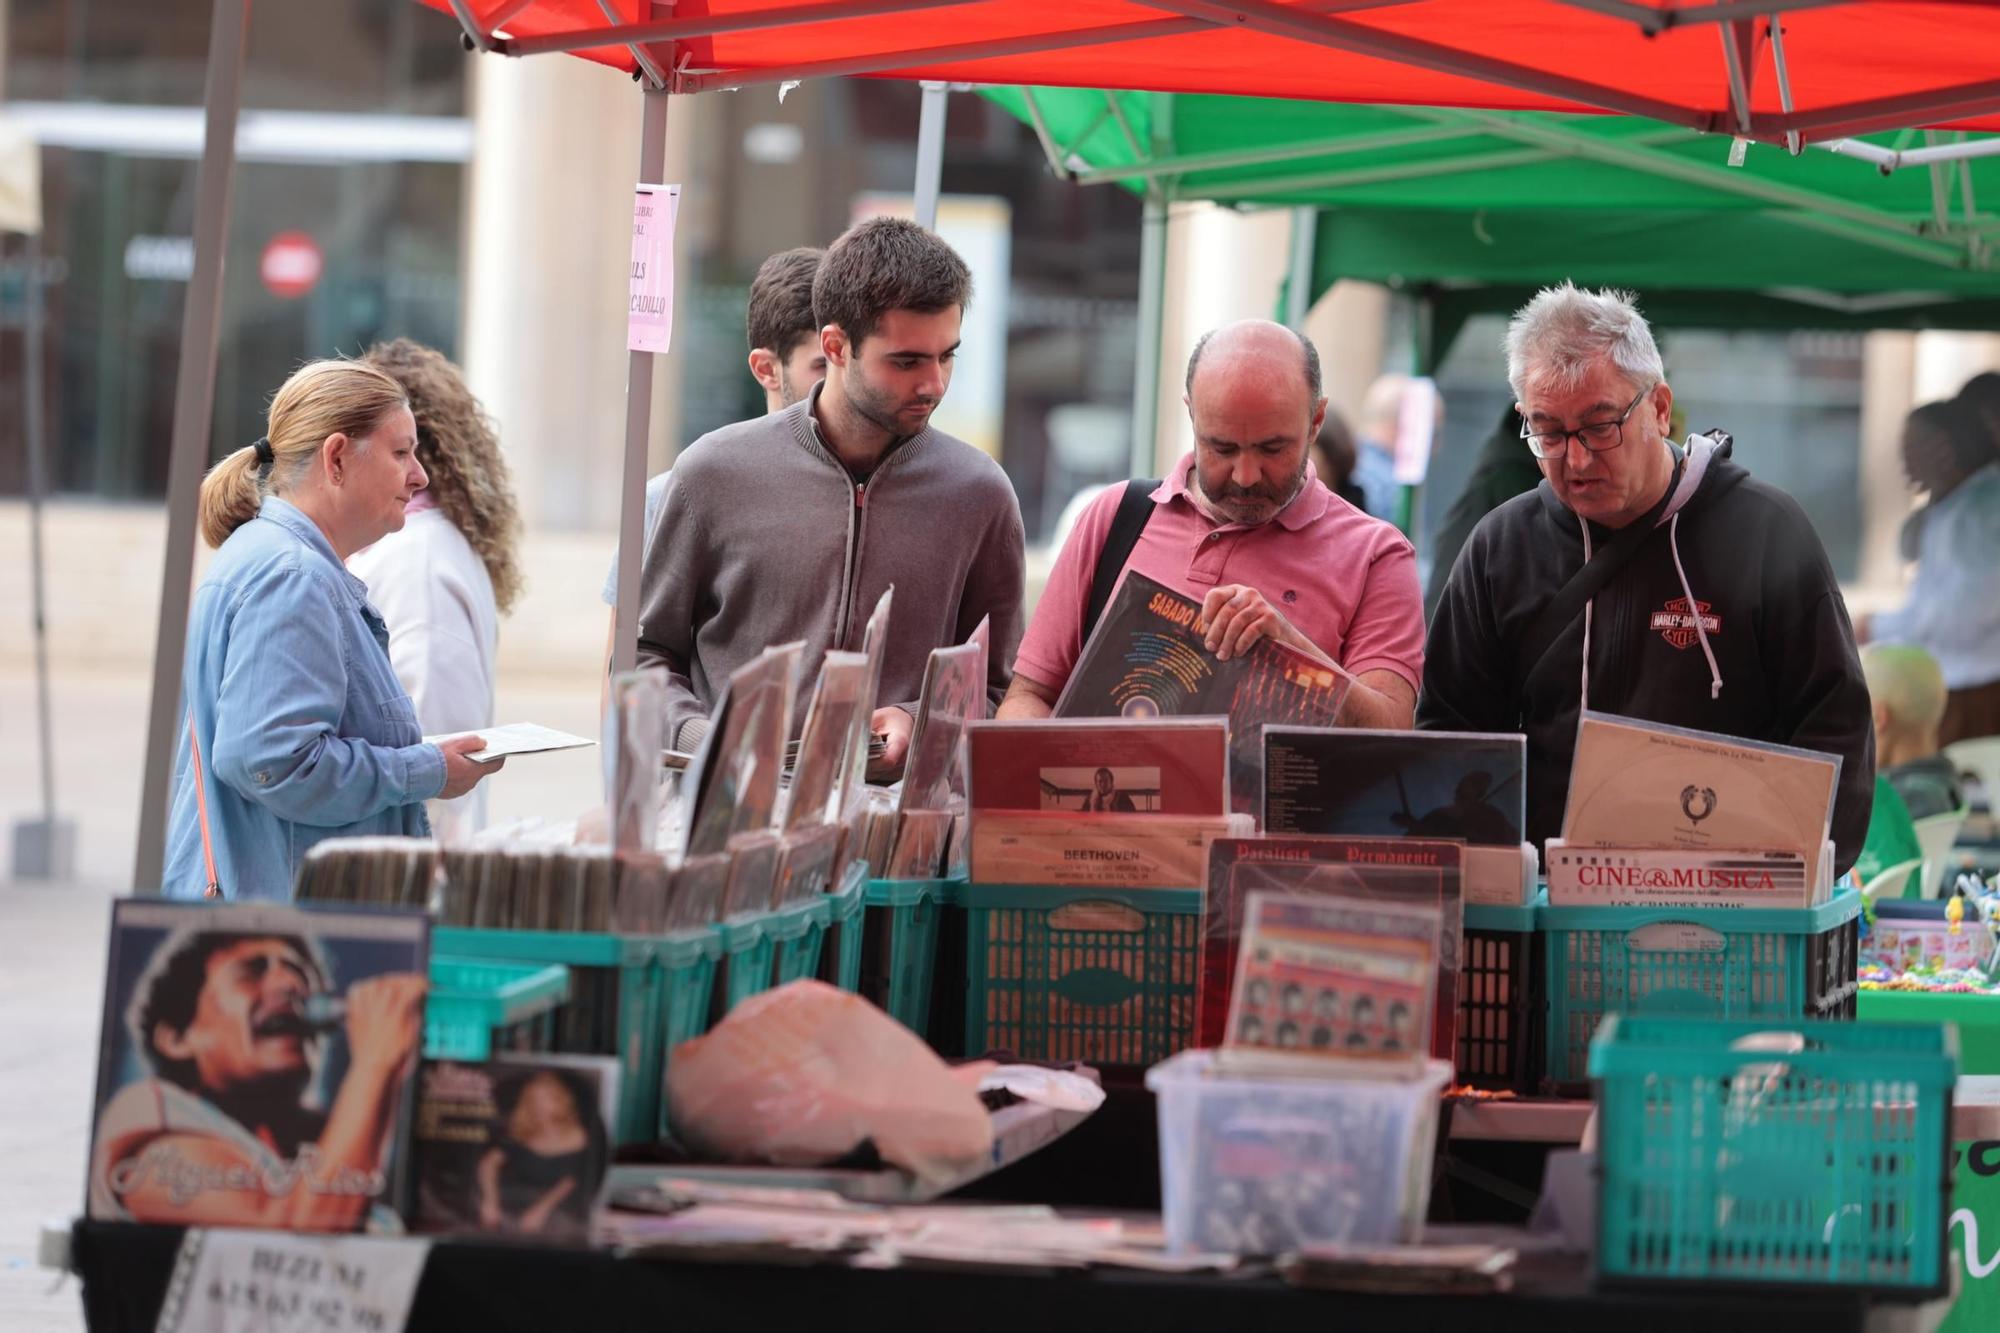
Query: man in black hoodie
1711, 603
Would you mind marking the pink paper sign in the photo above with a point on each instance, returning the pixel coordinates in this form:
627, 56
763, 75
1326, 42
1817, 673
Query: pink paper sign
650, 325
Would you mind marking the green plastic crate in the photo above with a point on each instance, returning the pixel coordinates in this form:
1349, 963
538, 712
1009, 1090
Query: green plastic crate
597, 963
1703, 962
1501, 998
899, 953
840, 957
1102, 975
799, 931
470, 997
1828, 1166
747, 951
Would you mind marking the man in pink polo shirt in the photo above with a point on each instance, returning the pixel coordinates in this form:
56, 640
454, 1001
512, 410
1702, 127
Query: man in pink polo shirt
1244, 525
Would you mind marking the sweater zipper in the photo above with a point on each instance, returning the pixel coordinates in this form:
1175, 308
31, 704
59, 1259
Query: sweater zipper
852, 571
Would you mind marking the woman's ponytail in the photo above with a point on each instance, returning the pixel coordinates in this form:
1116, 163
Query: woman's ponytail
230, 495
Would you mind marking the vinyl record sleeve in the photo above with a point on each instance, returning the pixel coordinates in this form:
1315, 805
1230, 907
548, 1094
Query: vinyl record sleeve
230, 1034
1640, 784
517, 1146
1334, 977
1171, 766
1396, 784
1147, 659
1405, 870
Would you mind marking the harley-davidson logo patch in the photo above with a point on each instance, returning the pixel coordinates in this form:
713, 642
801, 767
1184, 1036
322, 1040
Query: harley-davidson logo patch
1676, 624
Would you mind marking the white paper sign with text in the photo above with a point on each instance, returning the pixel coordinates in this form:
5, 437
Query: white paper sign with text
228, 1281
650, 325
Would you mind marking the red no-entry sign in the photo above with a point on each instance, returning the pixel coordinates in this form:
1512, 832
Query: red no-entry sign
291, 264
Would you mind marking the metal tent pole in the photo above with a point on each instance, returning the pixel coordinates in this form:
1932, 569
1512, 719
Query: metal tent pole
1152, 311
1299, 278
930, 154
45, 849
638, 420
194, 408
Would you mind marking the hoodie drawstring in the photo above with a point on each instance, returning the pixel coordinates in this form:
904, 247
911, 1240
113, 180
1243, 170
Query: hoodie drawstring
1694, 612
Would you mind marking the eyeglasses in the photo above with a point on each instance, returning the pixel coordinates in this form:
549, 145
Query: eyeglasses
1596, 436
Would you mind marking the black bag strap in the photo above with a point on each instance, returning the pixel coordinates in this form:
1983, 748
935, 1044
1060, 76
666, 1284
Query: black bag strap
1134, 508
1568, 603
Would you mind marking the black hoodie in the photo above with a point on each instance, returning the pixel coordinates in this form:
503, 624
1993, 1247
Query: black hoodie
1766, 653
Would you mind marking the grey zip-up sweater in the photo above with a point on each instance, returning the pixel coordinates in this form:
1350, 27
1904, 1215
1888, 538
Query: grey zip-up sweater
765, 538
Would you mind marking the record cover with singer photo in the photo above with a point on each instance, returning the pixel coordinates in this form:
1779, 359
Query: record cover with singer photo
255, 1065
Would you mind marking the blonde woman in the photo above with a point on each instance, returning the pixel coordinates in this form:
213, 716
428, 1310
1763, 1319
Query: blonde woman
447, 577
296, 726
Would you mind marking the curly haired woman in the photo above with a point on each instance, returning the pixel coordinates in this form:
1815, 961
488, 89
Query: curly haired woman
445, 579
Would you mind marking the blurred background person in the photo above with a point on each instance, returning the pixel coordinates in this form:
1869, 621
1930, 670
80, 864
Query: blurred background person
1953, 609
1333, 459
1503, 470
1982, 393
1907, 691
297, 728
1381, 425
443, 581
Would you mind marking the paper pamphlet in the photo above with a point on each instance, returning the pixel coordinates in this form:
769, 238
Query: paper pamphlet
515, 738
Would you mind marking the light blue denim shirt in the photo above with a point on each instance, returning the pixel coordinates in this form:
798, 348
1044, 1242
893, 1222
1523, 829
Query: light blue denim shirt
305, 731
1954, 606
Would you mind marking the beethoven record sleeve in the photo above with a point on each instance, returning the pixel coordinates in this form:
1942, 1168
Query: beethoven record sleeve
1170, 766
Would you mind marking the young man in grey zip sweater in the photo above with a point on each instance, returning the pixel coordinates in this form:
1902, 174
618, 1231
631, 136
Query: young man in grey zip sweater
790, 527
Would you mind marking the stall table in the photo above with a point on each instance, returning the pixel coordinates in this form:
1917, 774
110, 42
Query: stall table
499, 1288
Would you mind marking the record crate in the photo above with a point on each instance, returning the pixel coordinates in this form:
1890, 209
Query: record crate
1712, 962
626, 994
840, 956
899, 946
470, 999
1106, 976
1501, 998
749, 951
1775, 1155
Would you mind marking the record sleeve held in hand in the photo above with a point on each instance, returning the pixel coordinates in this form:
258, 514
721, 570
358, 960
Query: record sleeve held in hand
1147, 659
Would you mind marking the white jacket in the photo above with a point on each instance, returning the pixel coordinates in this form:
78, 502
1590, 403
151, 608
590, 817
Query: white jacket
444, 632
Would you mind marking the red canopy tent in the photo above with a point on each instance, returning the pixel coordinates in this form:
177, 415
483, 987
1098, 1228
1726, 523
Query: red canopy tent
1833, 68
1782, 71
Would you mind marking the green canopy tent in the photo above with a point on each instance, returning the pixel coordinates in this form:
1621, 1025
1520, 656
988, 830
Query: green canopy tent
1471, 208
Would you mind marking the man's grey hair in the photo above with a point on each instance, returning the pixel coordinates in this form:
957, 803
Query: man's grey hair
1309, 355
1556, 338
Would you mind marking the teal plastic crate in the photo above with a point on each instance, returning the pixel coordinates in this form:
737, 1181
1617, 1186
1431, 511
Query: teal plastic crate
1704, 962
899, 953
470, 997
840, 957
747, 951
1100, 975
616, 969
799, 931
1826, 1166
686, 962
1502, 998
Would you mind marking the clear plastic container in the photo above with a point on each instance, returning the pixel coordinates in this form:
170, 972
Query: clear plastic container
1262, 1155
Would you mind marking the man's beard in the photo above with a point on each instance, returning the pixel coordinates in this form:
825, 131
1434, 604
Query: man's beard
786, 393
1230, 503
875, 407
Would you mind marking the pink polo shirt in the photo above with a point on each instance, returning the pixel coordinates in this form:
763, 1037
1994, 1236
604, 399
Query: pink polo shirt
1347, 581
